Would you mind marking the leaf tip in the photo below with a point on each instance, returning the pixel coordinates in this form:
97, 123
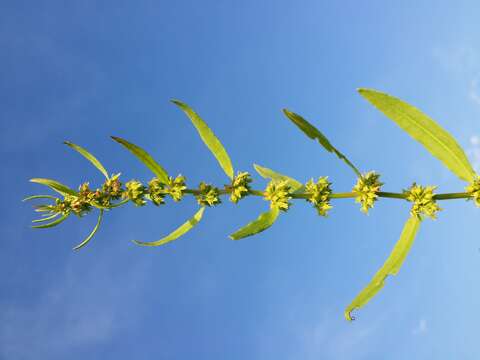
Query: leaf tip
348, 315
177, 102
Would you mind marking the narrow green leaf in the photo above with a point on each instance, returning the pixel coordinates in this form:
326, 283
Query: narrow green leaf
33, 197
263, 222
89, 237
46, 218
270, 174
208, 138
390, 267
52, 224
313, 133
89, 157
181, 230
145, 158
423, 129
55, 185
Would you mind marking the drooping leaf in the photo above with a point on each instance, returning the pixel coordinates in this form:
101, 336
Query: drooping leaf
55, 185
390, 267
313, 133
145, 158
89, 157
270, 174
50, 217
90, 236
33, 197
423, 129
208, 138
263, 222
181, 230
52, 224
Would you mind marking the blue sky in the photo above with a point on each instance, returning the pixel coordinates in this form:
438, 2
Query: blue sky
82, 71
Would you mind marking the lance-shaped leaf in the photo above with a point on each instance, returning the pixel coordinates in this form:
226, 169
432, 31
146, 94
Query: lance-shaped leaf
33, 197
267, 173
52, 224
90, 236
423, 129
181, 230
313, 133
145, 158
208, 138
263, 222
46, 218
390, 267
55, 185
89, 157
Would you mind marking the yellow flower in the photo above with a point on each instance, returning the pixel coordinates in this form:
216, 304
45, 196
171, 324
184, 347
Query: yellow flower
135, 191
319, 194
474, 191
240, 186
278, 193
423, 201
366, 190
208, 195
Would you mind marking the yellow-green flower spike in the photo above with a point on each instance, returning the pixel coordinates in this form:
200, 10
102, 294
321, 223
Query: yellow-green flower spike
278, 193
240, 186
135, 192
474, 191
176, 187
366, 190
319, 194
423, 201
207, 195
156, 190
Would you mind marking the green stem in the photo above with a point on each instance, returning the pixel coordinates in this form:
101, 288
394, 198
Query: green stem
449, 196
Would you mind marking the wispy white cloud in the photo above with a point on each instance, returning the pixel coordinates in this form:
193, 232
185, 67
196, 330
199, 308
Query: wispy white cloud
421, 327
82, 310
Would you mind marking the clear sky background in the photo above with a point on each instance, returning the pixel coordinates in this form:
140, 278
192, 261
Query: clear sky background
85, 70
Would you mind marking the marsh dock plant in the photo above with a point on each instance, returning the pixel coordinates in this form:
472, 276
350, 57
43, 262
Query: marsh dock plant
280, 192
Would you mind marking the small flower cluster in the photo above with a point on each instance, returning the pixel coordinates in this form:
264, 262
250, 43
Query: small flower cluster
278, 193
474, 191
156, 191
366, 190
135, 191
176, 187
423, 201
239, 187
207, 195
319, 194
